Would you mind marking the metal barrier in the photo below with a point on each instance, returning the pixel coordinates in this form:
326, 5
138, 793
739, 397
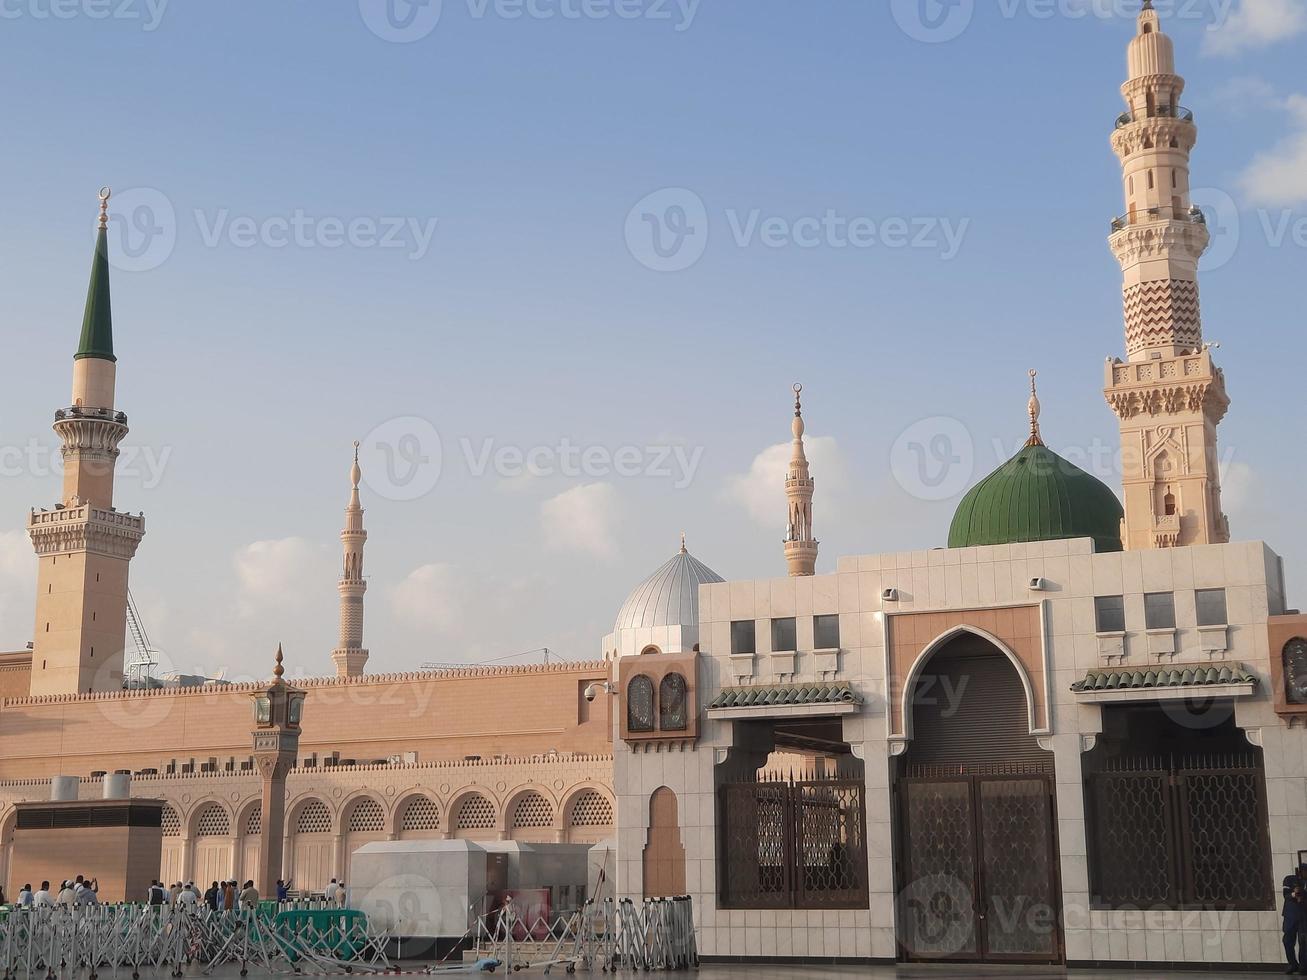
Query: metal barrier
656, 934
39, 943
42, 941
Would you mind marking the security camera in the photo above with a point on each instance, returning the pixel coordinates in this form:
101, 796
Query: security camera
593, 691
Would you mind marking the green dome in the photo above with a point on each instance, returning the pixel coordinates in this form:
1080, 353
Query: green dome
1037, 496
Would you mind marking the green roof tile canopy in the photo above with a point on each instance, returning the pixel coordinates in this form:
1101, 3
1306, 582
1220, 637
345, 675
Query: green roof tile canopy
1037, 496
97, 321
1200, 675
759, 697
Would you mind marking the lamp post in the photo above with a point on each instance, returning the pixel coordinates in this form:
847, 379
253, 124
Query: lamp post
278, 709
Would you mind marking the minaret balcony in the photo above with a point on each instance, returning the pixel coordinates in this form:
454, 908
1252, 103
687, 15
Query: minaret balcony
1159, 112
1192, 215
95, 414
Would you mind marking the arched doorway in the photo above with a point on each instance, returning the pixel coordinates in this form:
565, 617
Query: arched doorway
664, 854
975, 815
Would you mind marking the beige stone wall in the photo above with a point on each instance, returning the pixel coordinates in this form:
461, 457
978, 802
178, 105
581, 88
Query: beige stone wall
447, 715
211, 821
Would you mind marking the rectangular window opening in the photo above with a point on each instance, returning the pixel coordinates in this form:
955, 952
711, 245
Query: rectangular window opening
1109, 613
784, 634
1211, 607
826, 632
743, 639
1159, 611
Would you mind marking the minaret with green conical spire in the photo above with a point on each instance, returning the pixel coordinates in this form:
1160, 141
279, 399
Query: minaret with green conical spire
84, 544
97, 321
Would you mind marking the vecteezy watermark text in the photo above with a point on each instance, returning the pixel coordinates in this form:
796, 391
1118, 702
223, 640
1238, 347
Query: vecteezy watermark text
406, 21
148, 12
404, 459
135, 463
668, 230
144, 225
938, 21
303, 230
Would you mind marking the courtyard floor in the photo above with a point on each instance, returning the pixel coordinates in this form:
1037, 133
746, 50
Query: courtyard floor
794, 972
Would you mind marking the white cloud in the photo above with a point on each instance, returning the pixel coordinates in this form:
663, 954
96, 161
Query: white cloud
1244, 91
276, 574
1238, 488
17, 589
1256, 24
1278, 176
430, 598
761, 491
582, 520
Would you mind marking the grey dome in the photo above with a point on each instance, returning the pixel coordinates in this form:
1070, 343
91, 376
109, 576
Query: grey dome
668, 597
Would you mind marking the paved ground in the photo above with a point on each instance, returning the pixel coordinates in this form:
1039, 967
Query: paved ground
782, 972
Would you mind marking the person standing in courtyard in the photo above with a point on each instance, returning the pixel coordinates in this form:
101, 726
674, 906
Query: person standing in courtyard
1294, 916
43, 899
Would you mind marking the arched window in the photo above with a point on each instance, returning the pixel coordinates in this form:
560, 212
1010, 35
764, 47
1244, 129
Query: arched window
212, 822
639, 704
592, 809
254, 822
533, 810
475, 813
1168, 504
422, 813
172, 822
673, 710
314, 818
366, 817
1295, 670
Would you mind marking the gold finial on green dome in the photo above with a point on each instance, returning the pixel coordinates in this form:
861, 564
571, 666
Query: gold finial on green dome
1032, 407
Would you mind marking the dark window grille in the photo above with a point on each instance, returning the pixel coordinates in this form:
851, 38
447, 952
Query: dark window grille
640, 704
784, 634
672, 704
743, 638
826, 632
794, 845
1180, 832
1109, 611
1159, 611
1210, 605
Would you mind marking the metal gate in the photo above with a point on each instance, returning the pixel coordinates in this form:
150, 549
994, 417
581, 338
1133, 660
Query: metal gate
1180, 832
978, 868
794, 844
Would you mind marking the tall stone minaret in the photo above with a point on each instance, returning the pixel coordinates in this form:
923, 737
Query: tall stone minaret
1167, 394
800, 546
349, 655
84, 545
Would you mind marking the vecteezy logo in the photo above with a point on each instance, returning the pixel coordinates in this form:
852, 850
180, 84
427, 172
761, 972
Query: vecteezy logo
400, 21
402, 458
667, 231
1221, 214
143, 226
933, 21
938, 915
933, 459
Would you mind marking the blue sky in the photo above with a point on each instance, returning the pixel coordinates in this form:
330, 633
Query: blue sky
331, 226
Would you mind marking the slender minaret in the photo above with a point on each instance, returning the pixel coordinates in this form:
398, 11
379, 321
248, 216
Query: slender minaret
800, 545
84, 545
1168, 395
349, 655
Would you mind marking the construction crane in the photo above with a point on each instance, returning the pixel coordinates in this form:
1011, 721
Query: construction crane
140, 672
